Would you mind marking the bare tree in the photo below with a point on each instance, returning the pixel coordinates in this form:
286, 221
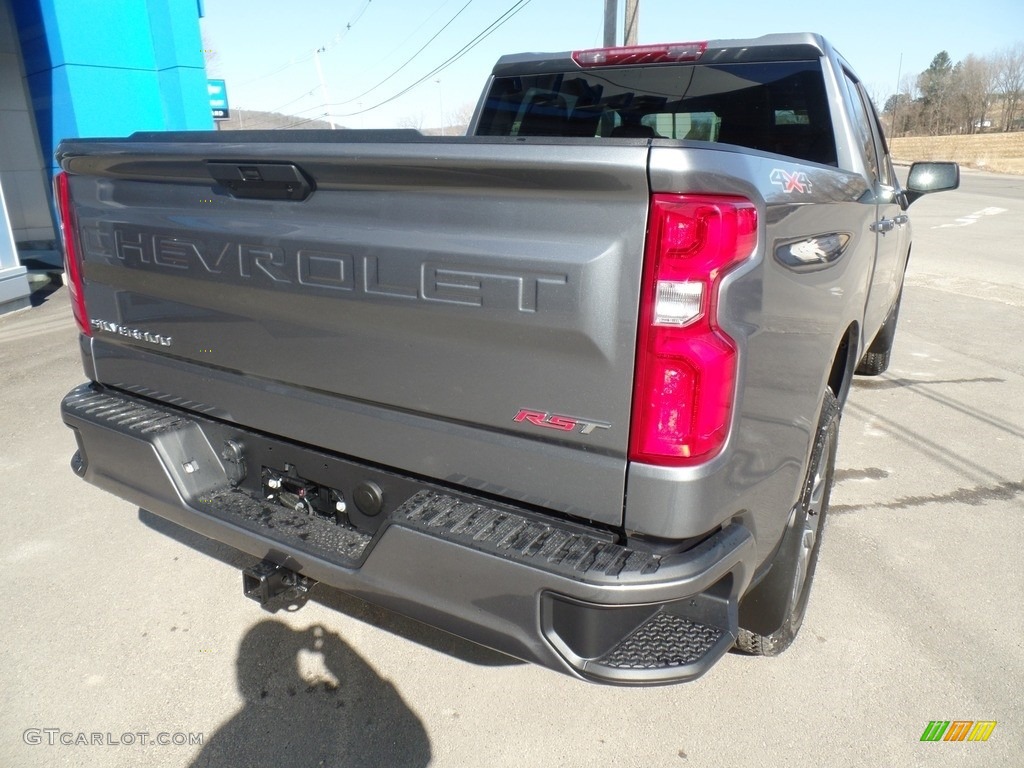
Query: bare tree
210, 57
907, 108
1009, 81
962, 98
935, 94
875, 93
971, 85
908, 86
412, 121
902, 114
458, 120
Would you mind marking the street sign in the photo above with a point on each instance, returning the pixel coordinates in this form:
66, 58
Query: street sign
218, 99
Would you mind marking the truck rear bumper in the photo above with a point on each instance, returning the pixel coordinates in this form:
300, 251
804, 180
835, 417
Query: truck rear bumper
539, 588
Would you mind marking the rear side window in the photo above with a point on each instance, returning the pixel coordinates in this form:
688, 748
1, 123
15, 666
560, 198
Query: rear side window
863, 123
774, 106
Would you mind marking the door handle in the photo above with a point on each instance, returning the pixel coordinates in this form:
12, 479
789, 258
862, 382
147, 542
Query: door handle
885, 225
901, 219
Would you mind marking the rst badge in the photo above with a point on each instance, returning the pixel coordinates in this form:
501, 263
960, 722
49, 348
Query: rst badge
560, 423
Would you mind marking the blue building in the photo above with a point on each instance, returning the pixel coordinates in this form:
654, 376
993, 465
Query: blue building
79, 68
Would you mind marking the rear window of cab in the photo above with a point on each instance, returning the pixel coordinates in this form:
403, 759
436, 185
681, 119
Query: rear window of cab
776, 107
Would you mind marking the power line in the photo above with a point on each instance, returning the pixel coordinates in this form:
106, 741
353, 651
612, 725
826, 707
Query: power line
294, 62
401, 45
479, 38
310, 92
303, 122
409, 60
491, 28
348, 27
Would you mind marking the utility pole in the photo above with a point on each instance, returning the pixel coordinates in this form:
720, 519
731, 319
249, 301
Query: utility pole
896, 104
440, 105
323, 84
611, 17
631, 22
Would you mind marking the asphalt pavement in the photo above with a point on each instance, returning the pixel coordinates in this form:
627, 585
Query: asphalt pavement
122, 631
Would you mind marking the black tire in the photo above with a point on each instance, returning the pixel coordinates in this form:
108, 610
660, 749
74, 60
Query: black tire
876, 359
874, 363
772, 612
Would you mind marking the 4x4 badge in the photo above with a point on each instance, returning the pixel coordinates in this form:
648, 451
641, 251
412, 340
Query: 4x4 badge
797, 181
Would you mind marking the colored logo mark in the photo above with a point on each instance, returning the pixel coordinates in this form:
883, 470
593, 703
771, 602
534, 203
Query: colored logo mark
958, 730
791, 182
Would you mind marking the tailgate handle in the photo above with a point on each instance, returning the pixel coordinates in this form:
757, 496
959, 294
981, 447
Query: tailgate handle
262, 181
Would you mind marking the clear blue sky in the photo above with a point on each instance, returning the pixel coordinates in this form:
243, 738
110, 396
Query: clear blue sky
264, 48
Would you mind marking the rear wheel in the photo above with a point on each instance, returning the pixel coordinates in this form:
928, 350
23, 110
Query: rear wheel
772, 612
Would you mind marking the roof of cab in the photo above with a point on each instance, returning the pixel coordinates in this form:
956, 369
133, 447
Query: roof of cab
776, 47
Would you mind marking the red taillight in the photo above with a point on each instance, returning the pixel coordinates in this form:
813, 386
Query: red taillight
686, 364
72, 257
639, 54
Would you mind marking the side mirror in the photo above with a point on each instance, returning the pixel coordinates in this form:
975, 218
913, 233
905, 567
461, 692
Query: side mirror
931, 177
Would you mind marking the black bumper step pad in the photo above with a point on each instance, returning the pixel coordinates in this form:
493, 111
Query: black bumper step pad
547, 545
662, 642
117, 412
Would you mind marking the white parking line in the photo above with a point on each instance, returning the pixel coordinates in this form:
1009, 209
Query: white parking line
972, 218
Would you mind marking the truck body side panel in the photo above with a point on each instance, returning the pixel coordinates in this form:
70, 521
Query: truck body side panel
788, 322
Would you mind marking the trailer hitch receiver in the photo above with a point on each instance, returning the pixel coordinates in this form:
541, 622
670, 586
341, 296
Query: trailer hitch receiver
270, 583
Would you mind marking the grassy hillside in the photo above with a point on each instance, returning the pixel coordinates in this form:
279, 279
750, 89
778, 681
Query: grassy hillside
1000, 152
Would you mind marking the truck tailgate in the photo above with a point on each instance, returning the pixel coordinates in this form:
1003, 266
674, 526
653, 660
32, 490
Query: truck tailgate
462, 310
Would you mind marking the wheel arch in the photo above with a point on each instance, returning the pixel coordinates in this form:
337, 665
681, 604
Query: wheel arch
844, 362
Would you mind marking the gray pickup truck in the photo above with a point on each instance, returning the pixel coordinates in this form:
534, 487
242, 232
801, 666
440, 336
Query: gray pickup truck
568, 386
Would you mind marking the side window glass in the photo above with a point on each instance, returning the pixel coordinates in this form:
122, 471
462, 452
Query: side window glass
884, 162
862, 125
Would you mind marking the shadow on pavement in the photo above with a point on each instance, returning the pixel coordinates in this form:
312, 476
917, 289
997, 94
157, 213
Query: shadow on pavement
45, 273
310, 700
40, 295
900, 383
382, 618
